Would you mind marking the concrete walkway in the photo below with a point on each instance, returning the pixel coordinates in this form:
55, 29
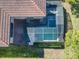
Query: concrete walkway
53, 54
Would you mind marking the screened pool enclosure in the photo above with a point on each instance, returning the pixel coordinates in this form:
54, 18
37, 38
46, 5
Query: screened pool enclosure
47, 28
44, 29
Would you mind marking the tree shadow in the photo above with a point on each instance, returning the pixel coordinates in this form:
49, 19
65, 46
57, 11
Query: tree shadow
67, 22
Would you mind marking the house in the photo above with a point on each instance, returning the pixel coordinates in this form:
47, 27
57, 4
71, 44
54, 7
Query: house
29, 21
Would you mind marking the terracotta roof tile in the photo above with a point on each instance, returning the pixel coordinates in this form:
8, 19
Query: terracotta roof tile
18, 8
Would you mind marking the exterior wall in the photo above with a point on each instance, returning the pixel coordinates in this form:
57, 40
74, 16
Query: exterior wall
16, 8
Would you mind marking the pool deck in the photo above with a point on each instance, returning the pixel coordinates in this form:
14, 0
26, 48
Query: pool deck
53, 54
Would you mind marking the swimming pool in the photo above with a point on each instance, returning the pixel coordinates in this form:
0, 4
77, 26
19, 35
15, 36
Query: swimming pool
43, 33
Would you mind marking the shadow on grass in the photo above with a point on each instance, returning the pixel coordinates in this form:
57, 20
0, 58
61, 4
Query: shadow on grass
67, 22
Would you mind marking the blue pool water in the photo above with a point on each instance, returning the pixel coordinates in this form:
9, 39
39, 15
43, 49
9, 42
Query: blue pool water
46, 37
45, 34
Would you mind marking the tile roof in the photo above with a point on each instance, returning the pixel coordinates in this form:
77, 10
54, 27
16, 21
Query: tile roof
18, 8
25, 7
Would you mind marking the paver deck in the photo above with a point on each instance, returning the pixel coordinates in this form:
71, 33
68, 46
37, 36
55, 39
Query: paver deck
53, 53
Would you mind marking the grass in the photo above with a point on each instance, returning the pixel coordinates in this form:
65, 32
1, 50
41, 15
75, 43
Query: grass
18, 51
28, 51
55, 45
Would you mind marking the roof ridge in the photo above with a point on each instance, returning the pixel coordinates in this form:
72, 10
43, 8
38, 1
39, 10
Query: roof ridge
37, 6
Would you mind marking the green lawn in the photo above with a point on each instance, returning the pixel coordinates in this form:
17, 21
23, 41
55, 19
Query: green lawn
28, 51
18, 51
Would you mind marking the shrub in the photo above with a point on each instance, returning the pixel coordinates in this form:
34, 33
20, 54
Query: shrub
72, 44
71, 1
